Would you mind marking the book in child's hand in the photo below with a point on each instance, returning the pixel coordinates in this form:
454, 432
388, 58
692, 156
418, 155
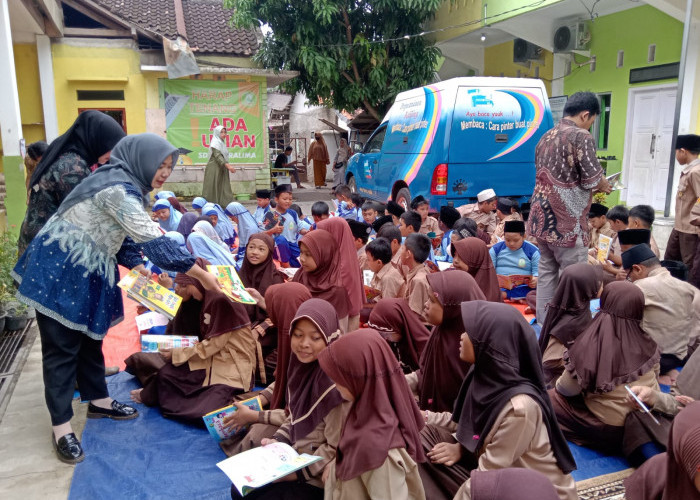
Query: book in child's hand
513, 281
271, 219
231, 284
214, 421
604, 244
150, 294
371, 293
155, 343
260, 466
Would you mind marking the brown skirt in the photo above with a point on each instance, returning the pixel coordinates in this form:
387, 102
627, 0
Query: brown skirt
582, 427
441, 481
640, 429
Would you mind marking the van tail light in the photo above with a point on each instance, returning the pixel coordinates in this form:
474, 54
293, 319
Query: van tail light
439, 182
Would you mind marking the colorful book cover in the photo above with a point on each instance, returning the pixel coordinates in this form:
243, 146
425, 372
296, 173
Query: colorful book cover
154, 343
150, 294
271, 219
371, 293
513, 281
604, 244
231, 284
214, 421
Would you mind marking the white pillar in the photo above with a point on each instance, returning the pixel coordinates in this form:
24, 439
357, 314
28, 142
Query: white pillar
10, 119
48, 94
558, 73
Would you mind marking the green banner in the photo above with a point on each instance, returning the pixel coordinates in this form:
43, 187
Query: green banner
193, 108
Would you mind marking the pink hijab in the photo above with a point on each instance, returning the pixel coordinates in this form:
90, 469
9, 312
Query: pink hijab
350, 273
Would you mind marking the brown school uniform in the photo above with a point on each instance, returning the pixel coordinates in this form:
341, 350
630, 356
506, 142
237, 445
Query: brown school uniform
684, 237
416, 290
362, 258
396, 479
595, 233
388, 281
486, 222
654, 247
430, 225
501, 225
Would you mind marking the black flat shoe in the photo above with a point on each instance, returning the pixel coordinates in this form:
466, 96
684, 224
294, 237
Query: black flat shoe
118, 411
68, 449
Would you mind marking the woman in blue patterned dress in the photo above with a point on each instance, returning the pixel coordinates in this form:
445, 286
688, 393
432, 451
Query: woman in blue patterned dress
69, 275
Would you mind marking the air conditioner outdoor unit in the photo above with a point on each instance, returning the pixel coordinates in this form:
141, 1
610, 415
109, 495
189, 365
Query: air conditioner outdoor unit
572, 36
524, 52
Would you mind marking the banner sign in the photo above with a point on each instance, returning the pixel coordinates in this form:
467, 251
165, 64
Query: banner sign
193, 108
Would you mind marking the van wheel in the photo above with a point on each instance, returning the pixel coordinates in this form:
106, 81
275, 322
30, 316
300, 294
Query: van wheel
403, 198
352, 184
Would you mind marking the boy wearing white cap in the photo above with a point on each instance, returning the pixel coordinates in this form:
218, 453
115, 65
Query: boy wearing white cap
482, 211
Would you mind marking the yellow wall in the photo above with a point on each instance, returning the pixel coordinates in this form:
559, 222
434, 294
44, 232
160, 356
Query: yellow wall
455, 12
499, 59
29, 90
98, 68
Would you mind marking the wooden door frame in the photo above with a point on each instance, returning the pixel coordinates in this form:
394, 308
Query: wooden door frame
631, 93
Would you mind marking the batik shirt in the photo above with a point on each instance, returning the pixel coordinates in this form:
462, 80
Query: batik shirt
567, 171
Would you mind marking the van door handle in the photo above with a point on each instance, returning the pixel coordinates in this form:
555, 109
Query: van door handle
652, 145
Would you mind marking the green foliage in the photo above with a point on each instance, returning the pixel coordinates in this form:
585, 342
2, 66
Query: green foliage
336, 47
8, 259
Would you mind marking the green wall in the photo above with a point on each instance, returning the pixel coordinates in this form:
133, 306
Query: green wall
510, 8
632, 31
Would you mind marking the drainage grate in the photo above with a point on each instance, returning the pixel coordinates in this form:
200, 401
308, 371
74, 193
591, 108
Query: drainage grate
14, 349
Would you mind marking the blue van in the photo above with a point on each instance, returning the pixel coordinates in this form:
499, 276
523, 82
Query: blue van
452, 139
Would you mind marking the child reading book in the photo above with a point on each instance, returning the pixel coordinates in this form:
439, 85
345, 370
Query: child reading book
516, 258
282, 225
387, 279
380, 445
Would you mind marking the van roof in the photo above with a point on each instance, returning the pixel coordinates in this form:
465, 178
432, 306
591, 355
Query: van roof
475, 81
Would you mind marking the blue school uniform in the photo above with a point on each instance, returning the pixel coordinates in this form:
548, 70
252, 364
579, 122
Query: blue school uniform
525, 260
445, 247
286, 241
259, 216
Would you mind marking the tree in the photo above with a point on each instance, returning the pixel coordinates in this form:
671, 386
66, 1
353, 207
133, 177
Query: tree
349, 54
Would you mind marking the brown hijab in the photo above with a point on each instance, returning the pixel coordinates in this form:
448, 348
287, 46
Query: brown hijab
671, 475
441, 369
319, 151
311, 394
394, 315
326, 281
475, 254
260, 276
383, 414
507, 363
350, 272
614, 349
282, 302
511, 483
175, 203
221, 315
187, 319
569, 312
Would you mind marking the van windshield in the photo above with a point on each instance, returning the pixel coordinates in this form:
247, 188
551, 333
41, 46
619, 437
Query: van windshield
375, 143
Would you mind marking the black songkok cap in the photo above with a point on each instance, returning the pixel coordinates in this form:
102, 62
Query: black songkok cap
394, 208
597, 210
380, 221
449, 215
514, 226
504, 205
689, 142
418, 201
636, 254
359, 229
634, 236
262, 193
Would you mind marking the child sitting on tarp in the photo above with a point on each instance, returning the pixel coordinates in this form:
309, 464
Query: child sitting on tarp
514, 257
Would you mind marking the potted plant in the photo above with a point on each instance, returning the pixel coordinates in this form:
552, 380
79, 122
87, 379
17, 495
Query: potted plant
17, 316
8, 259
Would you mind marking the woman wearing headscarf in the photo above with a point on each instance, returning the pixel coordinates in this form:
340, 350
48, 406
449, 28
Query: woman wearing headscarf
168, 218
590, 398
350, 273
35, 151
187, 224
204, 227
472, 255
164, 195
320, 272
402, 328
246, 225
568, 314
676, 473
77, 298
202, 246
316, 411
69, 159
503, 415
198, 203
318, 155
380, 444
441, 370
222, 224
199, 379
281, 303
259, 272
216, 187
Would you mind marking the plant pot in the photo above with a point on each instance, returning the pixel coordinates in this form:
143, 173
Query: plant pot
243, 197
13, 323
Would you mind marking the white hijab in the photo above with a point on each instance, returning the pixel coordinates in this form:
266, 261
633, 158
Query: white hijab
217, 143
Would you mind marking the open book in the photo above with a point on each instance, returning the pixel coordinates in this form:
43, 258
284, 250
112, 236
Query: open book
260, 466
604, 244
231, 284
150, 294
215, 420
514, 280
154, 343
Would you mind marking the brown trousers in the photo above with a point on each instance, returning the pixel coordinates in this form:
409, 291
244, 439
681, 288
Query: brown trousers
684, 247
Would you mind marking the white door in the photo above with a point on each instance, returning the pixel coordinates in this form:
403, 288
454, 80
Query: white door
651, 122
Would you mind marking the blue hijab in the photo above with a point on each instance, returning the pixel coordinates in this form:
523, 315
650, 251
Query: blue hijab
174, 219
198, 202
203, 247
134, 160
164, 195
246, 222
224, 226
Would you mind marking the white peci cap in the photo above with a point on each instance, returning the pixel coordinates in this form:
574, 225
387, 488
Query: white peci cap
486, 194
